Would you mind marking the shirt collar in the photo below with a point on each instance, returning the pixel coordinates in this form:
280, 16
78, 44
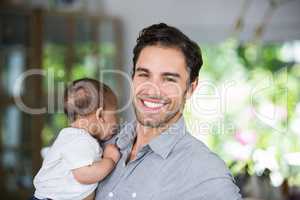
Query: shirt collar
166, 141
161, 145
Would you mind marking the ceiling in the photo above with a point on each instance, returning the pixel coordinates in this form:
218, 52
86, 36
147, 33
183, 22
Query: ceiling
208, 21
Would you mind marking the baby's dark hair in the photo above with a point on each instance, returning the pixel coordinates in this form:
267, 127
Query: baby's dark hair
84, 96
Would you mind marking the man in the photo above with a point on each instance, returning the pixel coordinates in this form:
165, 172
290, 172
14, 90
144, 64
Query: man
160, 159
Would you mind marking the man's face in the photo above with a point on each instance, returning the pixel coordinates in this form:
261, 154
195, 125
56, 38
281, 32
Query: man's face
160, 86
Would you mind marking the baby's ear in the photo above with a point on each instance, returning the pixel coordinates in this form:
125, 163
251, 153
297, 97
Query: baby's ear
99, 114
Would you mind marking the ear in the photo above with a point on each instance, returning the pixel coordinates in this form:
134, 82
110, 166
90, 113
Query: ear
191, 88
99, 114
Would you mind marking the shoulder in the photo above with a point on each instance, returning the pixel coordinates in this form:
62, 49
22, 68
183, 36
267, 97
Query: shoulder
127, 128
125, 135
72, 131
203, 163
72, 135
196, 168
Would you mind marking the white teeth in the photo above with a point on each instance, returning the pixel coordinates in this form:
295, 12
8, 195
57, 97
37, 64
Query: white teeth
152, 104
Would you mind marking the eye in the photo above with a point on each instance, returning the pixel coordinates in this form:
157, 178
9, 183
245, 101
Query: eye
169, 79
142, 75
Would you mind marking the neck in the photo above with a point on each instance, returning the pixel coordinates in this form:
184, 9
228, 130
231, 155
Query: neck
146, 134
80, 124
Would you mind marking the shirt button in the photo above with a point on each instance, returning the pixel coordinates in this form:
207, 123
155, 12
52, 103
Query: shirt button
133, 195
110, 194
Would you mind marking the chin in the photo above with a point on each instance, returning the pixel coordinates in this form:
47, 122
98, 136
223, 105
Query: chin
151, 123
155, 123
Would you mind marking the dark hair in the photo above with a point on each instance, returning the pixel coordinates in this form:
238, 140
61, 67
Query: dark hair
84, 96
168, 36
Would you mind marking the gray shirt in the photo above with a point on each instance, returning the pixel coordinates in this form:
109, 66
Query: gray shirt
173, 166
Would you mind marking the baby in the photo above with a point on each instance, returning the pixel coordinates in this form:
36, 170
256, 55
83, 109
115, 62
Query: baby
75, 163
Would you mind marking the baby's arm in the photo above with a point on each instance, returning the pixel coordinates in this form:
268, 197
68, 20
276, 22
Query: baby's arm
99, 169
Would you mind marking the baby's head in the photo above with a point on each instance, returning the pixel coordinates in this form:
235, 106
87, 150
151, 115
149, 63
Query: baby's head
92, 105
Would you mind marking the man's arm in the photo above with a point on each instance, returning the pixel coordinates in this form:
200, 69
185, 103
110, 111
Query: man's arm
216, 189
202, 176
210, 179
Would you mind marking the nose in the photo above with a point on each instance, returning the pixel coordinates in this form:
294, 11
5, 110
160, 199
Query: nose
152, 87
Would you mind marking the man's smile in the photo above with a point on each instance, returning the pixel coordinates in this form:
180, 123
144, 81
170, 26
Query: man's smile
152, 104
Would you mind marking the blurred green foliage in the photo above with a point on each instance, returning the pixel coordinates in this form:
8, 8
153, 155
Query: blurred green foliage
88, 60
256, 106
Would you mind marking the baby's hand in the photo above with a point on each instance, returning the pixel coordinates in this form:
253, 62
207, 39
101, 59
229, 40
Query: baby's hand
111, 151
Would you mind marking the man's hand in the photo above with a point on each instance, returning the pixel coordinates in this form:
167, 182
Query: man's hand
111, 151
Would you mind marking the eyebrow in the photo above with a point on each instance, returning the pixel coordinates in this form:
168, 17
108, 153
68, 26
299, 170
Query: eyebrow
142, 69
176, 75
